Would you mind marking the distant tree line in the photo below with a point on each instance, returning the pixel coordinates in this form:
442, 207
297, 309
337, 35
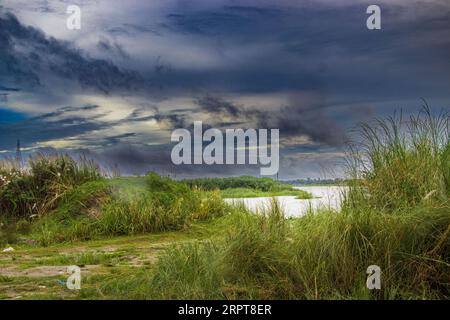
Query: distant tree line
263, 184
315, 181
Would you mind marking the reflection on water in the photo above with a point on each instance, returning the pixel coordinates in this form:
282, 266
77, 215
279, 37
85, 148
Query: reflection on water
328, 197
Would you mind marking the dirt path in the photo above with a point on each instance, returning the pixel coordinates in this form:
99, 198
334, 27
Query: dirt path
31, 272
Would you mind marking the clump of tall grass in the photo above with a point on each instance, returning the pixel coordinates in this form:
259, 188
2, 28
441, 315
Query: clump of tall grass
402, 163
75, 214
36, 189
126, 206
163, 205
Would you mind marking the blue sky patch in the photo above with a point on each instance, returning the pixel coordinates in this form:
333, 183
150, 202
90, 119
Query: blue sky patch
9, 116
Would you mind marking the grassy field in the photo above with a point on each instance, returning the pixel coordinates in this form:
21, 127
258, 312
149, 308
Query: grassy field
153, 238
39, 272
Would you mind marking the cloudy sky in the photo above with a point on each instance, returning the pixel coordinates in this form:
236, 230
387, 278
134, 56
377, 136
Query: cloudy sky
136, 70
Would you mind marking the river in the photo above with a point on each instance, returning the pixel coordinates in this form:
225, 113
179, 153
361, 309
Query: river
325, 197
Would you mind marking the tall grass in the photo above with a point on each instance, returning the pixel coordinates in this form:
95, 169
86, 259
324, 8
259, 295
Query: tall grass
320, 256
36, 189
396, 215
126, 206
402, 164
64, 200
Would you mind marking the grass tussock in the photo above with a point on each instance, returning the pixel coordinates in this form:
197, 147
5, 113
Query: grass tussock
402, 164
126, 206
36, 189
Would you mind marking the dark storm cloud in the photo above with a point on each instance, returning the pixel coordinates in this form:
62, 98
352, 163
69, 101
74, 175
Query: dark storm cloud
174, 119
298, 118
68, 123
213, 50
112, 48
229, 21
129, 158
272, 48
132, 159
64, 110
130, 29
310, 120
26, 53
275, 48
5, 91
138, 159
324, 47
2, 88
49, 126
217, 105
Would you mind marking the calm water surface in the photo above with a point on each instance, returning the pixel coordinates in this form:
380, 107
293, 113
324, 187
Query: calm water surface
328, 197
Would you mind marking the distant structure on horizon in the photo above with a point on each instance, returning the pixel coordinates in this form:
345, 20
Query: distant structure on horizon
18, 153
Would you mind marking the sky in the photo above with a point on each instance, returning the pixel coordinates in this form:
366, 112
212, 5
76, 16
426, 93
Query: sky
137, 70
